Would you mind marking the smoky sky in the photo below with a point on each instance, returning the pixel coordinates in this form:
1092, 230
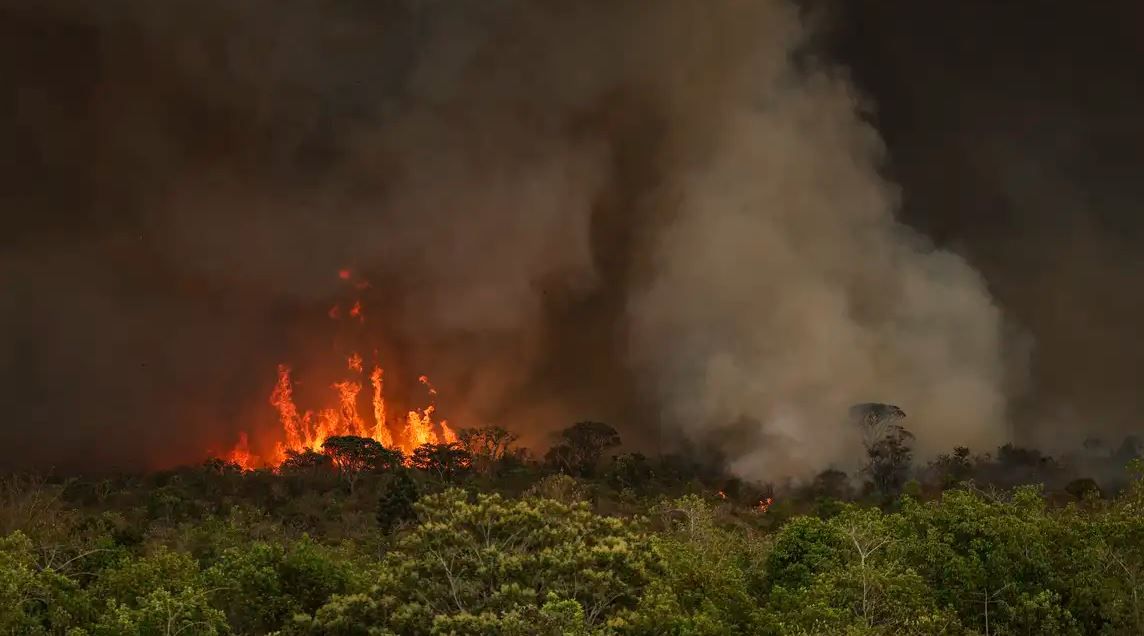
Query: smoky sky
542, 197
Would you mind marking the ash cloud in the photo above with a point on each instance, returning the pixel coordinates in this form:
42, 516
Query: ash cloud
672, 219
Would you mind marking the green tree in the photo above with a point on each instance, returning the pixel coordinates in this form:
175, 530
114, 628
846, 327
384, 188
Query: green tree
396, 503
493, 566
261, 585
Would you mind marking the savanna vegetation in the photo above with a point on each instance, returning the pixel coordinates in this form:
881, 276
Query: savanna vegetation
479, 537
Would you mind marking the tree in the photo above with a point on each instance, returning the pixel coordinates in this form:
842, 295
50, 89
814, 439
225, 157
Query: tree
874, 420
497, 566
580, 447
951, 469
888, 460
354, 456
396, 503
446, 461
487, 445
629, 471
305, 461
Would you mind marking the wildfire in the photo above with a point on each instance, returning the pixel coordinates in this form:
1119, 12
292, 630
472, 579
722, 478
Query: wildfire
308, 430
721, 494
764, 505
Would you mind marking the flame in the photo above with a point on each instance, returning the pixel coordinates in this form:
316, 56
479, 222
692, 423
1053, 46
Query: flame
764, 505
344, 274
282, 397
721, 494
308, 430
241, 453
380, 430
447, 434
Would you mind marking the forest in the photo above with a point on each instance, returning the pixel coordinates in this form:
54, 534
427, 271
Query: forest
480, 536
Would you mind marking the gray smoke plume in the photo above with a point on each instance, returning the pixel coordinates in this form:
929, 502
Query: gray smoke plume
669, 216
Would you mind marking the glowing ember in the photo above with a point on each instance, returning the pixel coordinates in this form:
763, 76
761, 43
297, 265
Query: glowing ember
356, 312
344, 274
721, 494
354, 363
764, 504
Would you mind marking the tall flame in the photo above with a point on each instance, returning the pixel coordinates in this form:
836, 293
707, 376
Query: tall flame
380, 430
308, 430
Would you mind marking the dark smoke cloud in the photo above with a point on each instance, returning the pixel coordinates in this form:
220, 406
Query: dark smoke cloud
669, 219
1014, 128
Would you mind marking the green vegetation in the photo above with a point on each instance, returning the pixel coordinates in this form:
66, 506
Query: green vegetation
477, 538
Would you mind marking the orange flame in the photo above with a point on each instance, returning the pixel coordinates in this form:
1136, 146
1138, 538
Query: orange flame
380, 430
241, 453
721, 494
344, 274
764, 505
447, 434
308, 430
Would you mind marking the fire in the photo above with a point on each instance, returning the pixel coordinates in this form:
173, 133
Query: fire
308, 430
721, 494
764, 504
380, 431
241, 453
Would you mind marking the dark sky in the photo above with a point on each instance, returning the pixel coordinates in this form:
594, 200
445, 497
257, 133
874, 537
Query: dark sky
1014, 132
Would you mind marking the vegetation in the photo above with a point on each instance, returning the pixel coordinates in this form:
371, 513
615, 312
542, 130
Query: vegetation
475, 538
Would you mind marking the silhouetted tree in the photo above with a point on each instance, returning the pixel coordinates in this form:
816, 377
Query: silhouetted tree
487, 445
354, 456
306, 460
953, 468
580, 447
630, 470
395, 505
446, 461
888, 460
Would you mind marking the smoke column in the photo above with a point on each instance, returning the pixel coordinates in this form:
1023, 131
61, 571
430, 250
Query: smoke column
671, 219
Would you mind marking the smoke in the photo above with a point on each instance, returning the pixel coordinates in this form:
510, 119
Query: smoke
669, 219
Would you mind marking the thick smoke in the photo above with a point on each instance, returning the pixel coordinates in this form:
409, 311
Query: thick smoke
670, 219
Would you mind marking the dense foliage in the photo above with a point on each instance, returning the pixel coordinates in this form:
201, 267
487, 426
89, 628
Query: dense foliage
476, 538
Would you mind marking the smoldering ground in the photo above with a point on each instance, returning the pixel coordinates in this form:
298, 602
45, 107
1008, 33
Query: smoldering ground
673, 219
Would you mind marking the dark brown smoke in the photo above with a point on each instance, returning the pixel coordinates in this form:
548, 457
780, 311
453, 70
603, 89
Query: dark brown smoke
673, 217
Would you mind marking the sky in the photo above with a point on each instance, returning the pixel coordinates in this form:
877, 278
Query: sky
715, 224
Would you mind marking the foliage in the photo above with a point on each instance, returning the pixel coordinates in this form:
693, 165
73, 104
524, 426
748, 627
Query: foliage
447, 462
496, 566
580, 447
396, 503
488, 446
354, 456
